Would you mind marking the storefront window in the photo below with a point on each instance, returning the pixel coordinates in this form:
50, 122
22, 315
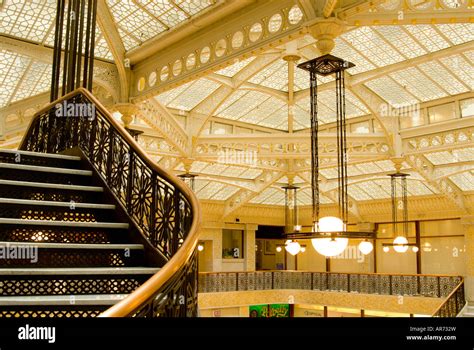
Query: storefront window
232, 244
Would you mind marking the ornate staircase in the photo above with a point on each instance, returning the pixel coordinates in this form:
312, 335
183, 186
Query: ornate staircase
66, 252
99, 231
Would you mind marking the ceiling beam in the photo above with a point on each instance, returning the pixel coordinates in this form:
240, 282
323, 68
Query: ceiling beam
444, 185
188, 28
39, 52
243, 196
253, 42
114, 41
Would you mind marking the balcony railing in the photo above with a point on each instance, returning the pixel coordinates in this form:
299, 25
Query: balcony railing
436, 286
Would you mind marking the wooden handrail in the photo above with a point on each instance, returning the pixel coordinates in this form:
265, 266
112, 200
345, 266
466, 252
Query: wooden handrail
148, 289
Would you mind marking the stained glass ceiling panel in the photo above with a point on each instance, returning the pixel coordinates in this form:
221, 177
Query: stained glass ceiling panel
460, 65
233, 69
418, 84
427, 36
391, 91
37, 79
12, 68
193, 94
144, 19
449, 157
465, 181
31, 20
368, 42
443, 78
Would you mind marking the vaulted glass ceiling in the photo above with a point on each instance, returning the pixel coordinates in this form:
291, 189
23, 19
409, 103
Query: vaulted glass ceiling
392, 63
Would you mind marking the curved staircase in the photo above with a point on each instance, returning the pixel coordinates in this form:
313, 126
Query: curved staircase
66, 251
101, 230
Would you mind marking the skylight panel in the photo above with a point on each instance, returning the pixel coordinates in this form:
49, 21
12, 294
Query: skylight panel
428, 37
251, 174
197, 167
378, 189
461, 68
12, 68
301, 80
28, 19
36, 79
234, 97
357, 193
225, 193
342, 49
166, 13
168, 96
368, 168
418, 84
418, 188
465, 181
274, 76
244, 105
193, 7
438, 158
457, 33
194, 94
445, 79
132, 19
206, 192
391, 92
329, 173
233, 69
128, 41
368, 42
401, 40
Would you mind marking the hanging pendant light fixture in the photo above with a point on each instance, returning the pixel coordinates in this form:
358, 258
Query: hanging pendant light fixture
329, 235
399, 200
291, 218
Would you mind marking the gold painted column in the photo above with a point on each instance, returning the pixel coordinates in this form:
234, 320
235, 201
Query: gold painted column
468, 228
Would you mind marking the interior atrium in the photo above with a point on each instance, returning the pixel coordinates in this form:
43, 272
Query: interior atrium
212, 156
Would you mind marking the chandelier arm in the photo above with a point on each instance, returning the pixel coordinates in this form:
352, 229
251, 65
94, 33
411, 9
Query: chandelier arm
405, 205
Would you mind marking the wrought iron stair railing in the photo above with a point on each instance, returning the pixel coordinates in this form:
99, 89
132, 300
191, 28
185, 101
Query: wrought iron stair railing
453, 303
163, 208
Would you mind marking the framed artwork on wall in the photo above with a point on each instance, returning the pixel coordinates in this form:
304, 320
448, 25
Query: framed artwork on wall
269, 247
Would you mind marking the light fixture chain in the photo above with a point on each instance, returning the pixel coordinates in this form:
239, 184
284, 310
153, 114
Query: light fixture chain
314, 146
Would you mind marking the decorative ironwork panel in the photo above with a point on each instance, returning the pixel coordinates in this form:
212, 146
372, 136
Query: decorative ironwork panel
354, 283
320, 281
447, 284
404, 285
69, 285
251, 282
242, 280
382, 284
338, 282
278, 280
429, 286
306, 280
60, 311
